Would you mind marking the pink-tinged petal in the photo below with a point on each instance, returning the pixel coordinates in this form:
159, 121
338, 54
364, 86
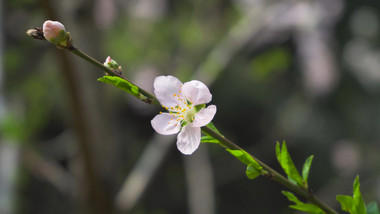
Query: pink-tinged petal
196, 92
166, 124
204, 116
188, 139
167, 89
51, 29
108, 59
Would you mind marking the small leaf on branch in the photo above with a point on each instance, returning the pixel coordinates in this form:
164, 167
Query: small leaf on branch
125, 86
253, 171
299, 205
306, 168
253, 168
242, 156
287, 164
212, 127
355, 204
347, 203
358, 198
208, 139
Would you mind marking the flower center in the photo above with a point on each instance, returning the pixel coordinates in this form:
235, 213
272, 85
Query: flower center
184, 111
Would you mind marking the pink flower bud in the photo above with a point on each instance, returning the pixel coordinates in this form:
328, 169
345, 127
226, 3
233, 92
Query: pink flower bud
54, 31
108, 60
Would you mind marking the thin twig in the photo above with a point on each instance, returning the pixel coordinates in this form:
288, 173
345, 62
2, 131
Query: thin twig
226, 143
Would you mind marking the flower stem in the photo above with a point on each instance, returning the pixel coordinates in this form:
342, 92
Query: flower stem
224, 142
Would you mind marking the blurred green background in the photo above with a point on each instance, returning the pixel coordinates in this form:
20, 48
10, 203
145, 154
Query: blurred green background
307, 72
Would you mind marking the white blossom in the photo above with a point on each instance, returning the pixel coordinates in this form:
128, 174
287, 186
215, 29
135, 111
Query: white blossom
186, 110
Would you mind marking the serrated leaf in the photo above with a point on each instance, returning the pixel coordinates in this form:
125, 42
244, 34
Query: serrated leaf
288, 165
347, 203
253, 171
208, 139
306, 168
372, 208
299, 205
358, 199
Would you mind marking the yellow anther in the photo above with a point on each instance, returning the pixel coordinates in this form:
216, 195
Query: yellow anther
174, 95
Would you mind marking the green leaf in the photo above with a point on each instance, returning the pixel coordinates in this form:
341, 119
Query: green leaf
125, 86
253, 168
120, 83
208, 139
355, 204
306, 168
358, 199
299, 205
242, 156
211, 126
278, 152
372, 208
347, 203
253, 171
287, 164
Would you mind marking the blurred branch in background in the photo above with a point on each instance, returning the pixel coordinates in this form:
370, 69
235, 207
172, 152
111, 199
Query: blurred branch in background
94, 192
50, 171
9, 148
200, 183
143, 171
9, 165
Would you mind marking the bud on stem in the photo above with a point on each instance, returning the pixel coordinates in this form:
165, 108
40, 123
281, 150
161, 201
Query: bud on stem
55, 33
112, 65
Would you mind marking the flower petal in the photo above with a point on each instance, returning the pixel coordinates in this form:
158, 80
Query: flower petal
52, 29
165, 87
166, 124
196, 92
188, 139
204, 116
